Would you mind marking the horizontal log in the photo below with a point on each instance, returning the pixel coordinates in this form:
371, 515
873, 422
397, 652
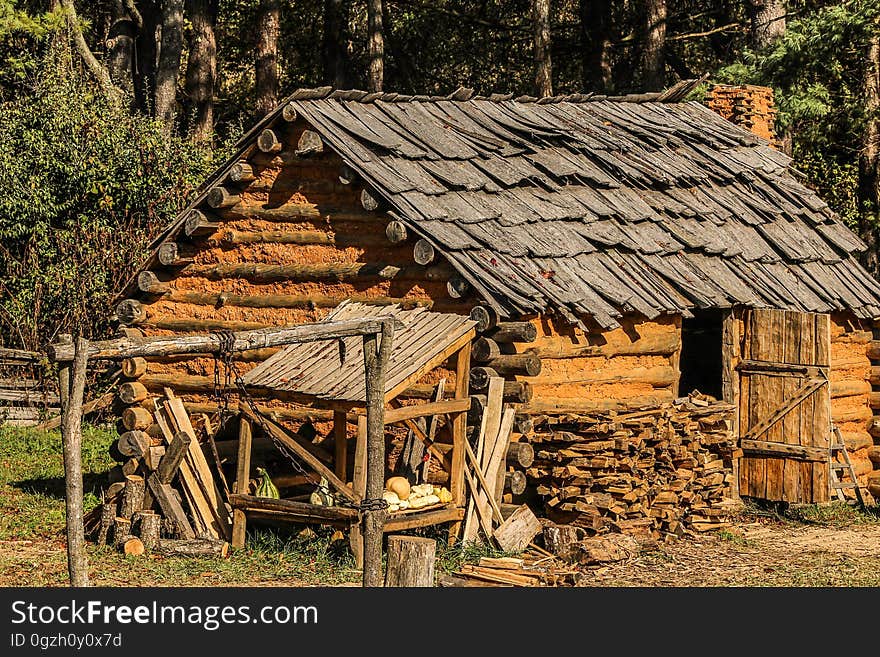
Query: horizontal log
849, 362
297, 212
280, 414
171, 255
856, 440
873, 350
874, 426
654, 344
136, 418
268, 141
188, 325
288, 113
370, 201
659, 376
520, 454
850, 414
513, 332
486, 317
195, 547
874, 400
782, 450
197, 223
21, 355
423, 252
874, 455
150, 284
523, 424
484, 349
133, 444
241, 172
220, 197
331, 271
515, 482
457, 287
303, 301
853, 337
133, 368
347, 175
130, 311
131, 392
479, 377
301, 238
426, 410
556, 406
849, 388
516, 364
874, 376
34, 396
309, 143
300, 509
121, 348
518, 392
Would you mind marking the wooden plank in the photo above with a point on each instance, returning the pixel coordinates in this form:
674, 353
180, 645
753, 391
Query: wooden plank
470, 528
436, 361
775, 390
171, 508
340, 444
279, 434
424, 519
784, 451
801, 394
758, 402
426, 410
496, 458
822, 413
730, 357
459, 423
242, 476
202, 471
515, 533
195, 497
314, 511
744, 409
791, 423
808, 407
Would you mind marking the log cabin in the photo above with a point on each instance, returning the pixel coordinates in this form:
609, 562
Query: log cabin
615, 253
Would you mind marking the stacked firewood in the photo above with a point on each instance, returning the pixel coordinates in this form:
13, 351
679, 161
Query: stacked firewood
531, 569
648, 473
165, 496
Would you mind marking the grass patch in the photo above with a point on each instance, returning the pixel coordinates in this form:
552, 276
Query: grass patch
835, 514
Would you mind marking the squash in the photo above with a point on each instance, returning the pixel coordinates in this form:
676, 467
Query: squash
265, 488
398, 485
444, 495
391, 497
423, 501
420, 490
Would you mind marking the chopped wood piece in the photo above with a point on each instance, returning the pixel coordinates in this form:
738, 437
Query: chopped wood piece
515, 533
396, 232
410, 561
132, 392
199, 547
132, 496
309, 143
268, 141
132, 546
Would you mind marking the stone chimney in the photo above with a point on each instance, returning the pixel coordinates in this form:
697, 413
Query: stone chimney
747, 105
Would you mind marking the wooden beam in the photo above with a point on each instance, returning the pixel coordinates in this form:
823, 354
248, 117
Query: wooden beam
253, 503
426, 410
121, 348
312, 461
340, 444
783, 450
811, 386
422, 519
432, 363
242, 477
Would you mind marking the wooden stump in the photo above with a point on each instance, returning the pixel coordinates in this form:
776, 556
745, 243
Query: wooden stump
147, 525
131, 545
410, 561
132, 496
108, 516
121, 531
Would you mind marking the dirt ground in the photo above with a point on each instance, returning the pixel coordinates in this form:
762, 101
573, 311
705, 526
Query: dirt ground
751, 554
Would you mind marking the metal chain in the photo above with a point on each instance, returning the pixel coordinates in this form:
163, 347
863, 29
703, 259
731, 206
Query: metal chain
233, 376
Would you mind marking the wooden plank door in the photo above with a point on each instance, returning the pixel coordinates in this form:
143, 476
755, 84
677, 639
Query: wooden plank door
785, 406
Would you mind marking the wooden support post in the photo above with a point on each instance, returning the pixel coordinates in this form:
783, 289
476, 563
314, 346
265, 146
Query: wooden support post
459, 436
72, 389
340, 445
375, 365
359, 485
242, 476
410, 561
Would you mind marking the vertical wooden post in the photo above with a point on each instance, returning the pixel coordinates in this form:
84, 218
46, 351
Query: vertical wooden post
72, 389
340, 445
730, 357
242, 474
375, 362
359, 485
459, 435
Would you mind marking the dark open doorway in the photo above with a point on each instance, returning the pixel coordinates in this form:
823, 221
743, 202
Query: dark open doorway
700, 361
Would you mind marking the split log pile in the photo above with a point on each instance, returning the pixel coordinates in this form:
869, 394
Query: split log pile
650, 473
533, 568
164, 496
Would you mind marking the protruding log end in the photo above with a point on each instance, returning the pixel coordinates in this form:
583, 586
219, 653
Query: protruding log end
220, 197
457, 287
134, 368
485, 317
149, 283
309, 143
515, 482
423, 252
130, 311
484, 350
132, 392
516, 364
198, 224
241, 172
369, 201
520, 454
169, 255
135, 418
514, 332
479, 377
396, 232
133, 444
347, 175
523, 424
268, 141
289, 113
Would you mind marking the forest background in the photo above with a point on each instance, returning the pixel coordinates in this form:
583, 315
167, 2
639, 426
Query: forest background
113, 111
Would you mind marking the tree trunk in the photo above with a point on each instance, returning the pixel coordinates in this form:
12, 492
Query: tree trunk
201, 69
869, 160
596, 44
543, 65
767, 21
266, 65
169, 62
146, 51
120, 45
95, 67
653, 56
376, 46
335, 43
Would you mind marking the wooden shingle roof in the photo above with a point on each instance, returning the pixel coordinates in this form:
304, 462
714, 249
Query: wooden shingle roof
325, 371
596, 205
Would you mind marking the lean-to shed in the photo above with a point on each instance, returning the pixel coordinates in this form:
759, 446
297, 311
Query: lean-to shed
633, 249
